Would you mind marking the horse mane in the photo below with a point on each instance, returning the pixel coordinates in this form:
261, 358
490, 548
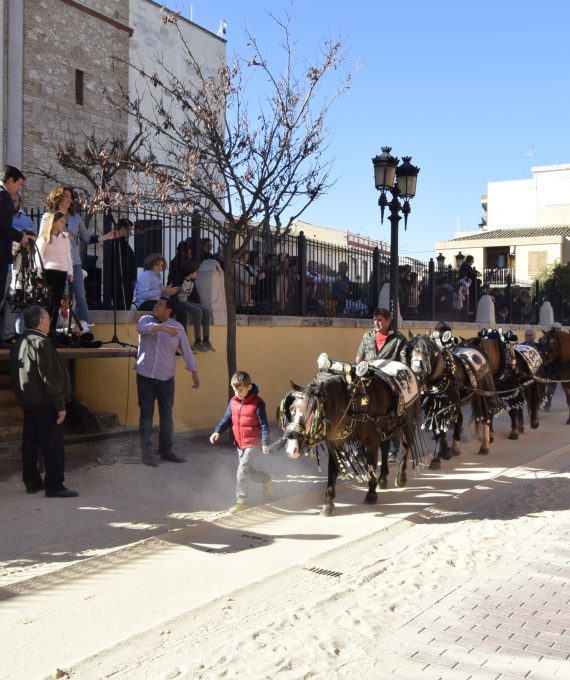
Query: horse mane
562, 336
424, 343
335, 393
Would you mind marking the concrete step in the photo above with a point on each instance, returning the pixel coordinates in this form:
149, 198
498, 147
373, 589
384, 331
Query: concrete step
10, 413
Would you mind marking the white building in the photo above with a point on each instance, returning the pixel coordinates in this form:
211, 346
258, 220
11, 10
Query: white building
526, 227
154, 43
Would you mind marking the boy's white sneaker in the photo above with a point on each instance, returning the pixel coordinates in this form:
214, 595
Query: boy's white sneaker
238, 506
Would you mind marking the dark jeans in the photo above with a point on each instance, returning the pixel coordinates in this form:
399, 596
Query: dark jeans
57, 280
150, 390
42, 434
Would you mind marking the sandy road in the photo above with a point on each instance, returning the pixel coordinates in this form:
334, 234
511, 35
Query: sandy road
277, 588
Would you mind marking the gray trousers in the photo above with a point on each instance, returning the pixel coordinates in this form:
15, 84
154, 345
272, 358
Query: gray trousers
201, 317
246, 471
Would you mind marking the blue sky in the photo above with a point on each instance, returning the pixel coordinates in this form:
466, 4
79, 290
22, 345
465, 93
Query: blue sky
472, 90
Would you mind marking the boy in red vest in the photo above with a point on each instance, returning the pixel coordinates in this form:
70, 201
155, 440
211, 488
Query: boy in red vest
246, 413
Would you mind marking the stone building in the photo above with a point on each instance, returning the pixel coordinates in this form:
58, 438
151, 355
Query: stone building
57, 64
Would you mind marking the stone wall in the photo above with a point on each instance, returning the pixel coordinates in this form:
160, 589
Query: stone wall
61, 36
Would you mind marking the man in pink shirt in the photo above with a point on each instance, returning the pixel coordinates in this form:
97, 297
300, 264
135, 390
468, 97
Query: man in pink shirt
160, 337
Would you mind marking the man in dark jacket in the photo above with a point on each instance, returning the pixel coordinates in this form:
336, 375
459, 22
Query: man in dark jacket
124, 267
11, 182
383, 343
42, 387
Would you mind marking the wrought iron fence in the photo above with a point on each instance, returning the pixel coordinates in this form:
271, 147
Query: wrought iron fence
298, 276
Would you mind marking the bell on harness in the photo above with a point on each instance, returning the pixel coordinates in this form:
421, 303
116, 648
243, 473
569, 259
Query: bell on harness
328, 365
444, 340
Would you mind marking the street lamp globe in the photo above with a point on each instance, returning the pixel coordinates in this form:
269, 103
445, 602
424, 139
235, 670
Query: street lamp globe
385, 169
407, 175
400, 181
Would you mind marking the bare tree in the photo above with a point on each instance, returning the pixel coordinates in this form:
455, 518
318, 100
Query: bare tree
242, 142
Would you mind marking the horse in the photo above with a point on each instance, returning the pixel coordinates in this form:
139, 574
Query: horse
515, 369
352, 412
450, 380
555, 350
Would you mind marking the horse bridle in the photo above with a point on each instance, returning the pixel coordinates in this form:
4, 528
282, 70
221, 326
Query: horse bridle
316, 427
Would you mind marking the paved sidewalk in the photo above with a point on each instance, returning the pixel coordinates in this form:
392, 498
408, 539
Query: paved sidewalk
511, 622
145, 550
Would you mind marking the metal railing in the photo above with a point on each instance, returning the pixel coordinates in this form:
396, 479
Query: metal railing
297, 276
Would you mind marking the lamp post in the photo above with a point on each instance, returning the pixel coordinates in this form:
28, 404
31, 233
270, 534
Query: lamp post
440, 262
400, 180
459, 259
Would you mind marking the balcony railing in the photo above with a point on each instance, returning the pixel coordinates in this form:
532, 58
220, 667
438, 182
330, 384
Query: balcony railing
500, 277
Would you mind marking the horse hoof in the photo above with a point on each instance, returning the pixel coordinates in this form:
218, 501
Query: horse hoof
446, 455
371, 498
514, 435
456, 452
534, 424
327, 511
483, 451
383, 483
491, 439
435, 464
401, 481
520, 429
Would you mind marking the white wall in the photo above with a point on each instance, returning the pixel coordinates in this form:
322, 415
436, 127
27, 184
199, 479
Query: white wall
511, 204
152, 40
542, 201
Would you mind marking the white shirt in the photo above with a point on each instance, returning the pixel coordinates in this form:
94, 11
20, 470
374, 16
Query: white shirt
57, 254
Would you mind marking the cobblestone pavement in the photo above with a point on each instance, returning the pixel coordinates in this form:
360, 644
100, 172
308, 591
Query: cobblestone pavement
513, 623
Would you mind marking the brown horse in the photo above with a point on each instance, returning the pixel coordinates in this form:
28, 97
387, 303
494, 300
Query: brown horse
555, 350
351, 416
514, 379
450, 380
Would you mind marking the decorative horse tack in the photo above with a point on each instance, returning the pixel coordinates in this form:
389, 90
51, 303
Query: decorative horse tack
398, 376
348, 415
451, 376
531, 357
475, 364
515, 375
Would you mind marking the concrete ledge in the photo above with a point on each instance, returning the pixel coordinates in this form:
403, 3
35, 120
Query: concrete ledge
266, 320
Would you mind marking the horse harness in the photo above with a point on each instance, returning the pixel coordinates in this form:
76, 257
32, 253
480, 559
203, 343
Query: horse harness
343, 445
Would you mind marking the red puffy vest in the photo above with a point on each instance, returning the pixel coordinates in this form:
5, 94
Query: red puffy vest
245, 423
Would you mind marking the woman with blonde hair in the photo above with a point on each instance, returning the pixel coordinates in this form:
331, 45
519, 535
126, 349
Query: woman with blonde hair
54, 250
61, 199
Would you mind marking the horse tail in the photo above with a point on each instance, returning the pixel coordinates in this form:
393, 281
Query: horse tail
411, 435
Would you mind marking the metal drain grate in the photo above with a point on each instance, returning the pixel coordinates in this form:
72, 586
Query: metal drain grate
324, 572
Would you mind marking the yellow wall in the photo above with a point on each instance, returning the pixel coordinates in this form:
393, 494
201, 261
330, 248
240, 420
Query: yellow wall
273, 355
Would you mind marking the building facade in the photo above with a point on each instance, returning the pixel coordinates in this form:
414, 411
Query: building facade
65, 66
525, 228
59, 66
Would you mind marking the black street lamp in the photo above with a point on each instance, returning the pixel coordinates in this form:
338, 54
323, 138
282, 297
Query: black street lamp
440, 262
459, 259
399, 180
